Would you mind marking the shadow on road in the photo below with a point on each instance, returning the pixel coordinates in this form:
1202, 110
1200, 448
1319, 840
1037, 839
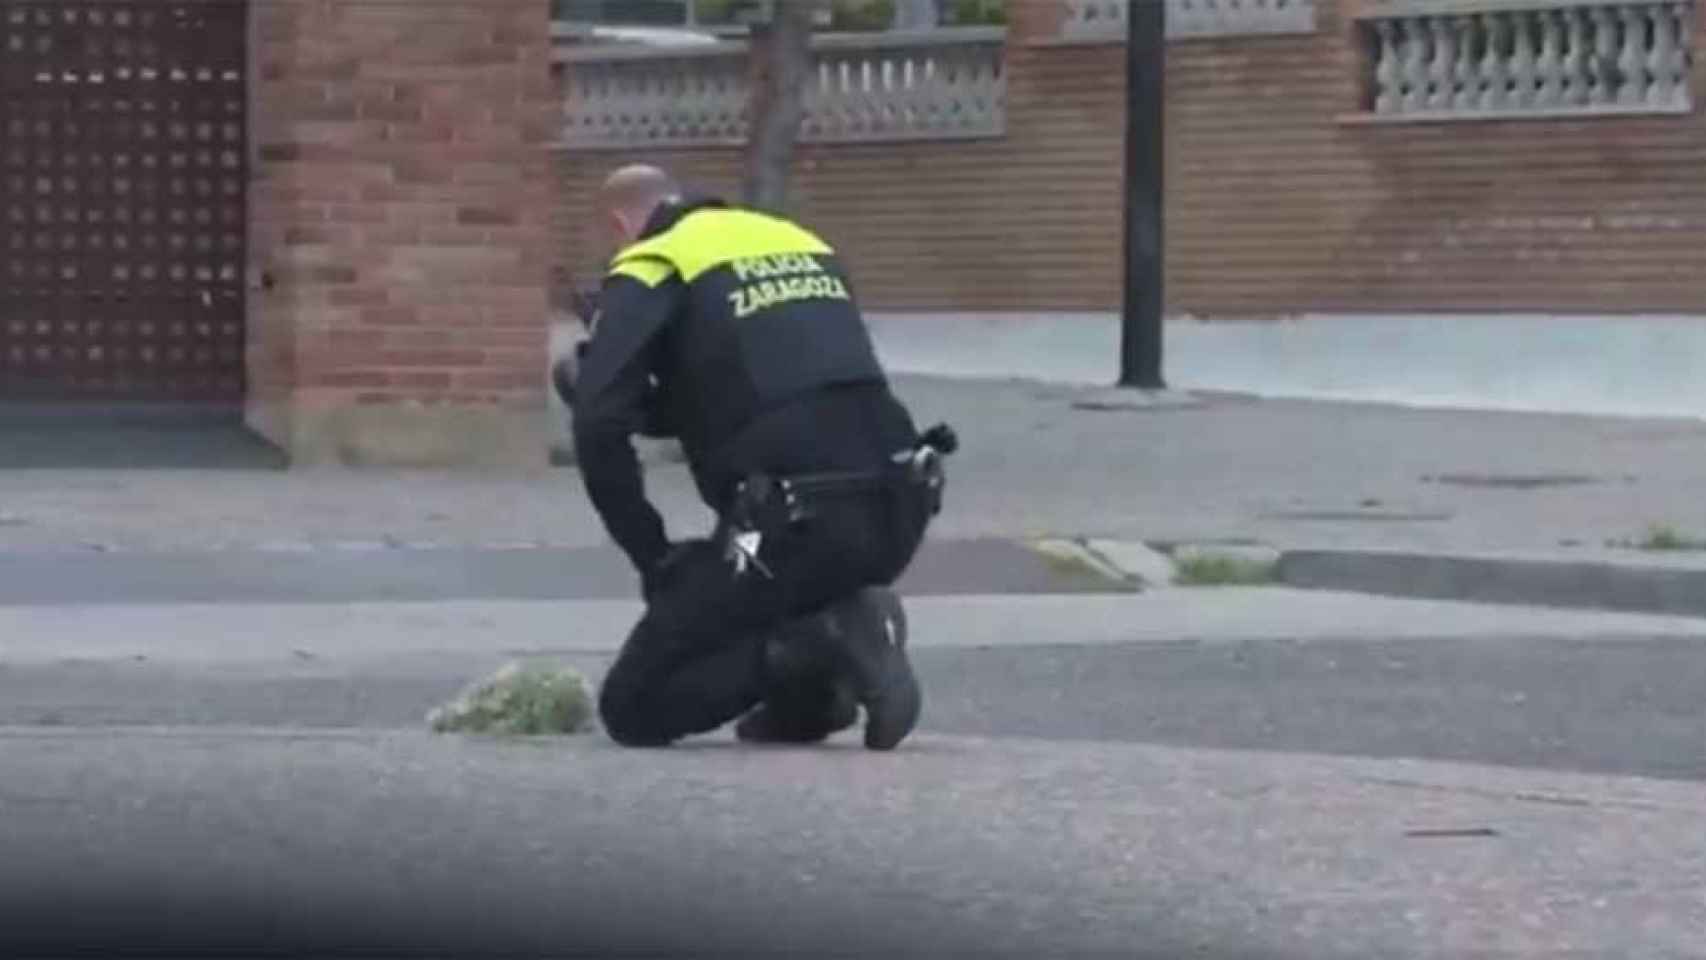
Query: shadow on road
62, 439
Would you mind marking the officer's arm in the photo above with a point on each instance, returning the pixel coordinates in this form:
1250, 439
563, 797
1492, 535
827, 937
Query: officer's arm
612, 404
659, 424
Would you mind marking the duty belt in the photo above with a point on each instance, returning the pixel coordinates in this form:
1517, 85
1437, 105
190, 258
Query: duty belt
763, 504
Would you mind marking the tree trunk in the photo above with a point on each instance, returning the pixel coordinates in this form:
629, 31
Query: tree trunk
781, 62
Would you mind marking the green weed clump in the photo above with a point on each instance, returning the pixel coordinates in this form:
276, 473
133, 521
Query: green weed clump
1663, 537
1221, 570
520, 700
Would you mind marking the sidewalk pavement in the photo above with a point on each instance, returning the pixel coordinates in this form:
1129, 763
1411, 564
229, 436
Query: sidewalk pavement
1334, 487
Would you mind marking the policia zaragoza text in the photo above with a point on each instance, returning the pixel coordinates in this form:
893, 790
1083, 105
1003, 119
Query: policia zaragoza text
781, 279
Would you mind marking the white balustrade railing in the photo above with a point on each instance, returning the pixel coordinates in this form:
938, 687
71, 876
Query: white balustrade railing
1455, 58
940, 84
1106, 19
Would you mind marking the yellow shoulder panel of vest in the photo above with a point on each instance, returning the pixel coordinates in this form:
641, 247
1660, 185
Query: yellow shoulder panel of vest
708, 238
649, 269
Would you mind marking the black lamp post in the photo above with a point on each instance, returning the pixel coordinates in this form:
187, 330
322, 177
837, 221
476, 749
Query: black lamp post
1141, 316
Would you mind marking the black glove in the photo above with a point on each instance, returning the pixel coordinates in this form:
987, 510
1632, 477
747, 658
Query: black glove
661, 575
585, 304
563, 379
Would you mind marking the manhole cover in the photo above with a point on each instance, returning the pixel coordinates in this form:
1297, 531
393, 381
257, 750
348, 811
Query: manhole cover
1512, 481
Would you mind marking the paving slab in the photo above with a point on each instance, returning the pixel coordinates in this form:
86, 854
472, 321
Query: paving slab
1032, 464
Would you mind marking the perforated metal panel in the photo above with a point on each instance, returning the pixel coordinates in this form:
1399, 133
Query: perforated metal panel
122, 201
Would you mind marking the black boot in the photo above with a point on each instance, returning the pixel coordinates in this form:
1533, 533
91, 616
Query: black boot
868, 633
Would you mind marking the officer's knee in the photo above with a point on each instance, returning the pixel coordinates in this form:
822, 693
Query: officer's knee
624, 718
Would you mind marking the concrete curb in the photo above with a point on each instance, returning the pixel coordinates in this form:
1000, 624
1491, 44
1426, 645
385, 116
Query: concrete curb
1604, 584
1070, 554
1664, 585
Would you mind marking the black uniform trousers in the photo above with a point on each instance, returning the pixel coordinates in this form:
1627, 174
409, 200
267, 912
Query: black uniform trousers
695, 660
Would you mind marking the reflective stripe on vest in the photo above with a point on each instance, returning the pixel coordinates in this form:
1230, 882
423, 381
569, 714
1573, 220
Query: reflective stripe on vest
706, 239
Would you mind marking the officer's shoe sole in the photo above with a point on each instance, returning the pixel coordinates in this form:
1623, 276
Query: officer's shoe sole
872, 629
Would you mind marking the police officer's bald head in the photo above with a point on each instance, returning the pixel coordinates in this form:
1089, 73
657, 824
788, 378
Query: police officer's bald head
631, 194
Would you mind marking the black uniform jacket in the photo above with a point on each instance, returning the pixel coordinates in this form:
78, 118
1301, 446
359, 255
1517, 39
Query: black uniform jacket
737, 333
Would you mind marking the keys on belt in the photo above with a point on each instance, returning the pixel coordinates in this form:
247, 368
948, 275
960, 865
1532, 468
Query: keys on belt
761, 504
742, 552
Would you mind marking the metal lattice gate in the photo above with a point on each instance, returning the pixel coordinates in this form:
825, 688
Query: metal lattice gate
123, 198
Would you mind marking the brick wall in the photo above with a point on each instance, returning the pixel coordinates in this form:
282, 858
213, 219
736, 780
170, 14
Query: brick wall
1274, 204
400, 213
1277, 205
1005, 223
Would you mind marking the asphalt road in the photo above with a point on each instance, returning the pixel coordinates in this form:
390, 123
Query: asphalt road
245, 844
1628, 706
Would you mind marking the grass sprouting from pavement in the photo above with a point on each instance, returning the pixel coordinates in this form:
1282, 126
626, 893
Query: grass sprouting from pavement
520, 701
1662, 537
1221, 570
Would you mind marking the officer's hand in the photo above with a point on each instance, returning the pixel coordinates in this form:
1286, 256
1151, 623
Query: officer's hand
563, 379
584, 303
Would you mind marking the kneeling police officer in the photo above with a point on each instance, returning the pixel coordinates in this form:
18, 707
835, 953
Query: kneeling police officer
737, 333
